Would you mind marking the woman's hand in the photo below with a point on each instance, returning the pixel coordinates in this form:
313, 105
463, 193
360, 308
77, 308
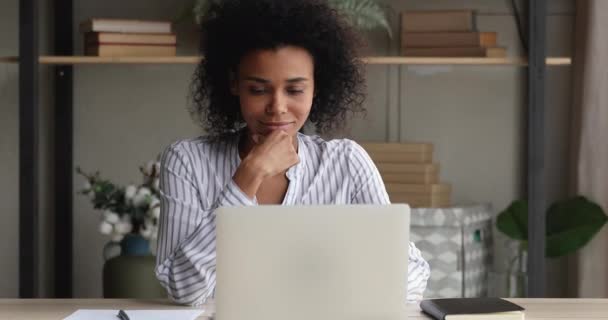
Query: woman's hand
271, 155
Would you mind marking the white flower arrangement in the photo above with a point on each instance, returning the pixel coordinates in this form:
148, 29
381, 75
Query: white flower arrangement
133, 209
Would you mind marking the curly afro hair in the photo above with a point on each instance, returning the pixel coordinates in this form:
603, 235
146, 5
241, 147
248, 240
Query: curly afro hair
233, 28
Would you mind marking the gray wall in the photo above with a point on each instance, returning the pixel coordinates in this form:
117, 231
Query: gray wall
9, 150
125, 115
124, 118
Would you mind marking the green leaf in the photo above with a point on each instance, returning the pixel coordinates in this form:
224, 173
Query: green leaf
569, 241
186, 12
198, 9
571, 224
513, 221
363, 14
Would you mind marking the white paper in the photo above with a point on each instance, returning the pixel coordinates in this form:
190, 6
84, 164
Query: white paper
87, 314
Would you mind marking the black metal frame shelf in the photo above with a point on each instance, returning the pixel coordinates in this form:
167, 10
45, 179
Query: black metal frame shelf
28, 148
29, 159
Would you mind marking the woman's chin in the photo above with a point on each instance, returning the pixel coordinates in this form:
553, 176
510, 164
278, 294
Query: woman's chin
266, 130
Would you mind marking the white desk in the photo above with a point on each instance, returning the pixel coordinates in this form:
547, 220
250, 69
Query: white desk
46, 309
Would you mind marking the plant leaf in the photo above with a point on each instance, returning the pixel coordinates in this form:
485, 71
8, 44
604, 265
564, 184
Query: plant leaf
571, 224
363, 14
569, 241
186, 12
513, 221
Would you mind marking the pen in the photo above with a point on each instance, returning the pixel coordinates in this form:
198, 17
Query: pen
122, 315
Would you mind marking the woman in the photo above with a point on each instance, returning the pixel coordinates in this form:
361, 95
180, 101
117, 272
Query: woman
270, 67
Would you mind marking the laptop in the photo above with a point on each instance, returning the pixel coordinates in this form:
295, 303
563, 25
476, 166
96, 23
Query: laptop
312, 262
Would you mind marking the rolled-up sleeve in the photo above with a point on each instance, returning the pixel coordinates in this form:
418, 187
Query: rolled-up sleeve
369, 189
417, 276
186, 259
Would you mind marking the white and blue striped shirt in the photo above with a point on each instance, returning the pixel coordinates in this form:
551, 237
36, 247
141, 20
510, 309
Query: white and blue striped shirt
196, 178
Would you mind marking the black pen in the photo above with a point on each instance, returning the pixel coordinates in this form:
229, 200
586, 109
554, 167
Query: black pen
122, 315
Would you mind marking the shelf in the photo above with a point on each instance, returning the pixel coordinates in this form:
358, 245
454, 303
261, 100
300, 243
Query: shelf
553, 61
9, 59
109, 60
462, 61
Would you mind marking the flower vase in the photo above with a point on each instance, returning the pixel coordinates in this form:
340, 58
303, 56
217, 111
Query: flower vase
513, 283
131, 273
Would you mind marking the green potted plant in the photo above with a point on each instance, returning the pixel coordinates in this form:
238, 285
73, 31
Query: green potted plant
129, 217
570, 224
363, 14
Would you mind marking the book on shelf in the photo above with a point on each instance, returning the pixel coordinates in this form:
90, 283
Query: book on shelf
472, 309
399, 152
409, 174
436, 188
420, 195
410, 178
120, 50
125, 26
95, 38
397, 147
408, 167
414, 172
415, 201
493, 52
448, 39
401, 157
438, 21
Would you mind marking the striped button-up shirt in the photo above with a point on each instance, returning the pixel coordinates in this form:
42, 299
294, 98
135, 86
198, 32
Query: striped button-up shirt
196, 179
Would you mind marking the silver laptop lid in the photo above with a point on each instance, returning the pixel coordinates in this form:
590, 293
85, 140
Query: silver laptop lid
312, 262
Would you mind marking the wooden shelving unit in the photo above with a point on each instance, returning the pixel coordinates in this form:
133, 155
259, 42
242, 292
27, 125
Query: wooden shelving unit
62, 63
387, 60
9, 60
554, 61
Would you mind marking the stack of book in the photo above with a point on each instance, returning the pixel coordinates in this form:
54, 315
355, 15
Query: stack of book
119, 38
450, 33
409, 173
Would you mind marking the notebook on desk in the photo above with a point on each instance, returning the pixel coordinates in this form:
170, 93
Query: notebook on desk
98, 314
472, 309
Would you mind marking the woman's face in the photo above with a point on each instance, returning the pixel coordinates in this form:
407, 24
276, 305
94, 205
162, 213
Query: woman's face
275, 89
